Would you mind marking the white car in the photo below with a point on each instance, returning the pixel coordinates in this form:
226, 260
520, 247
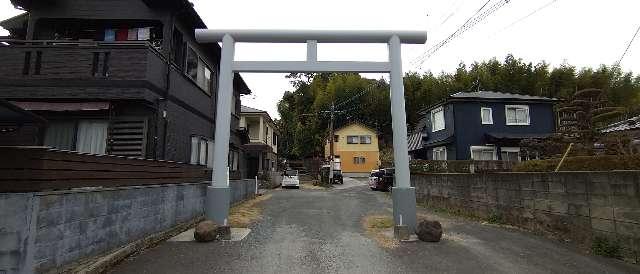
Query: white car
290, 179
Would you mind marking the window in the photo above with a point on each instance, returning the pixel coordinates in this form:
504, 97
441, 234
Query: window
96, 63
359, 160
200, 72
486, 116
105, 64
38, 62
440, 153
274, 140
234, 157
192, 64
365, 139
88, 136
204, 78
201, 151
517, 115
27, 63
177, 49
483, 153
335, 138
437, 119
511, 154
353, 139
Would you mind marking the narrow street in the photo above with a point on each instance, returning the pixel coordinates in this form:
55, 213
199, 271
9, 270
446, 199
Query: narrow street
321, 231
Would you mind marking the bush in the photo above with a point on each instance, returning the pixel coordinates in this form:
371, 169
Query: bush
582, 163
605, 247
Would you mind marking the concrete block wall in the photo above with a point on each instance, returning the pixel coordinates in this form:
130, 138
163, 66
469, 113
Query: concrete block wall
573, 205
45, 231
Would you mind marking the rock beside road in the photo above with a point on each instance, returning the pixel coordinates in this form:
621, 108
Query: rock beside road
429, 231
206, 231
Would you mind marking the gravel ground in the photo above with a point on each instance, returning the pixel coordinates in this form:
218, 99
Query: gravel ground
319, 231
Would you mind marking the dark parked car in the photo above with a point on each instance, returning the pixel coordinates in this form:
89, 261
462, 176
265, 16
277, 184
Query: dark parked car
337, 177
382, 179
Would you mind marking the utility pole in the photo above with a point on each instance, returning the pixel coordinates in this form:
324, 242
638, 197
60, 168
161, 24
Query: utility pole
331, 141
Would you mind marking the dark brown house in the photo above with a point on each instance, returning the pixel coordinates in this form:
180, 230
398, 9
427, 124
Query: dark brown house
121, 77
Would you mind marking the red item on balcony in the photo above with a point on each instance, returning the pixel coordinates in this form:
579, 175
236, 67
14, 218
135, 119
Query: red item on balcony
122, 34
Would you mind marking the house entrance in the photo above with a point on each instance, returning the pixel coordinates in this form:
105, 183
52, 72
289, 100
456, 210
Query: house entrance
218, 194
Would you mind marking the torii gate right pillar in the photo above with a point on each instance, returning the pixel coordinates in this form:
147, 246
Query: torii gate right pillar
404, 196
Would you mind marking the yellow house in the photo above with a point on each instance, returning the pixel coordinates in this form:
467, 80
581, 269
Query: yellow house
357, 147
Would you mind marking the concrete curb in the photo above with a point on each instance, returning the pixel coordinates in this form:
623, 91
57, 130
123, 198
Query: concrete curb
101, 264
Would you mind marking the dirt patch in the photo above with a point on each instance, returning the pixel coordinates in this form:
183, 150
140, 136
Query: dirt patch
376, 226
314, 185
244, 214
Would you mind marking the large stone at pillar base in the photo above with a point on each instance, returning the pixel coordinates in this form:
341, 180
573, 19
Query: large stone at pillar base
404, 203
217, 204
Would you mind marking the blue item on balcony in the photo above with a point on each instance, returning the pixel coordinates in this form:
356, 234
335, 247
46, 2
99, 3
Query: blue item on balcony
109, 35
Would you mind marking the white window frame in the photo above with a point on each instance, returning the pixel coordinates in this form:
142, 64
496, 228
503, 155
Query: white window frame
490, 120
437, 150
495, 152
366, 141
201, 151
510, 149
353, 137
433, 119
525, 107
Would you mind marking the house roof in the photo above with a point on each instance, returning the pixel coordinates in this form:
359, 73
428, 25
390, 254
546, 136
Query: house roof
246, 109
498, 95
414, 141
12, 113
487, 96
17, 21
355, 123
628, 124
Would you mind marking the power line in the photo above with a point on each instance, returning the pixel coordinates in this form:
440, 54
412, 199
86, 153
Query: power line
528, 15
461, 26
471, 22
628, 46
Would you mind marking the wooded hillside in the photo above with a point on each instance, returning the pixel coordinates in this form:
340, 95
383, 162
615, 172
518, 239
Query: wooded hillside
304, 111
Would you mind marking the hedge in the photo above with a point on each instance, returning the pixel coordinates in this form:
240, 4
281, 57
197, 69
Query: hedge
582, 163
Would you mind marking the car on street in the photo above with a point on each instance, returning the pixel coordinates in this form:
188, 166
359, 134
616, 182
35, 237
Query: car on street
381, 179
290, 179
337, 177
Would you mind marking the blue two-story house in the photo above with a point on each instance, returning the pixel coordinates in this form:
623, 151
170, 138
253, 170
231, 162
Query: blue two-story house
482, 125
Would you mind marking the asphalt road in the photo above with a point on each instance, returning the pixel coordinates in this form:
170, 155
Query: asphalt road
320, 231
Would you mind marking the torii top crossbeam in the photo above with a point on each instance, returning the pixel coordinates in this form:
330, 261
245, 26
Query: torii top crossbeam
302, 36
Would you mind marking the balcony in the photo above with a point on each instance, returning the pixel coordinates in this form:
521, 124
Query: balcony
95, 67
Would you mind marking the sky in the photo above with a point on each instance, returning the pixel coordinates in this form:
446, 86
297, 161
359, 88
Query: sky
583, 33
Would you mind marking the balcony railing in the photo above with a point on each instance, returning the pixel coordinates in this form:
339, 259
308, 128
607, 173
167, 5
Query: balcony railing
63, 59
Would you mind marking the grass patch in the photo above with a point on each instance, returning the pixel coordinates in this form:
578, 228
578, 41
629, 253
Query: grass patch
244, 214
452, 212
315, 185
606, 247
376, 226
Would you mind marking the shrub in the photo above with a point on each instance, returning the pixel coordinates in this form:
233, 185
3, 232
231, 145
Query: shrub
605, 247
494, 218
582, 163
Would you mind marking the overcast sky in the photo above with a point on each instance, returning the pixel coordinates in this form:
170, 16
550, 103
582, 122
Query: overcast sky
584, 33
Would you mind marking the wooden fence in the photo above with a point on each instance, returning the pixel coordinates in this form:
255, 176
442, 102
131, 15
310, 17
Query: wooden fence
26, 169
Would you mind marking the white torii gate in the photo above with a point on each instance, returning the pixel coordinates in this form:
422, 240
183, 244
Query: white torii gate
218, 194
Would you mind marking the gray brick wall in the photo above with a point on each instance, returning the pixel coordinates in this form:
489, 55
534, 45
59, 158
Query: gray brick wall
15, 229
575, 205
45, 231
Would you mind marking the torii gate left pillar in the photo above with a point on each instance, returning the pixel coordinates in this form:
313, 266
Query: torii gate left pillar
219, 194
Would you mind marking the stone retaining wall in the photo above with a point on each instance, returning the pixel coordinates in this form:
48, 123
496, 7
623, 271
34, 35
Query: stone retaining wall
573, 205
44, 231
